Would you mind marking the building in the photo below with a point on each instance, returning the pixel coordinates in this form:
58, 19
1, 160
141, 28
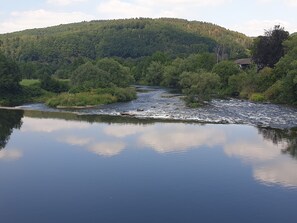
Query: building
244, 62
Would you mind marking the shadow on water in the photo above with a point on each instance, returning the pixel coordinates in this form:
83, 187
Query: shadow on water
9, 120
278, 136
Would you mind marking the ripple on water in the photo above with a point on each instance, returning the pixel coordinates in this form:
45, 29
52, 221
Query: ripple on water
160, 103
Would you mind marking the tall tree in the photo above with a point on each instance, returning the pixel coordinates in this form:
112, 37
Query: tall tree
268, 49
9, 75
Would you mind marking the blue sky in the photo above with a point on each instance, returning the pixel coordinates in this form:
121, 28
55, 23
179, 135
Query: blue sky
249, 17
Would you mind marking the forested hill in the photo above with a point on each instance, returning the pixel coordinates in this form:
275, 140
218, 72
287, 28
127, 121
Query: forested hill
128, 38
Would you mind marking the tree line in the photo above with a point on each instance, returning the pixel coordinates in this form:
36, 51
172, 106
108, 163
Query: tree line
200, 74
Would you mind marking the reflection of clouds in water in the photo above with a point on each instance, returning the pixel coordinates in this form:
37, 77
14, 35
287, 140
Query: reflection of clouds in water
253, 150
176, 138
107, 149
122, 131
92, 145
283, 173
261, 154
10, 154
161, 138
50, 125
73, 140
269, 165
170, 137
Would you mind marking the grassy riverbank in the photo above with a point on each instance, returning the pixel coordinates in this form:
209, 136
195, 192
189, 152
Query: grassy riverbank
31, 91
92, 97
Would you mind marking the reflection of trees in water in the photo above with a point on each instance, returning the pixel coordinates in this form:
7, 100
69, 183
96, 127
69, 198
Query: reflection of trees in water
9, 119
278, 136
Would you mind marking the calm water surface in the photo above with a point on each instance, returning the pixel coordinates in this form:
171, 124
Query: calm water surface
61, 168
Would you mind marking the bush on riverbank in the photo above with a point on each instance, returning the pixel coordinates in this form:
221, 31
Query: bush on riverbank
92, 97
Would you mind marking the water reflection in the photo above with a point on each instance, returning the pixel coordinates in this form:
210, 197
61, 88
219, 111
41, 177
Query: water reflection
282, 169
279, 136
9, 120
171, 137
264, 150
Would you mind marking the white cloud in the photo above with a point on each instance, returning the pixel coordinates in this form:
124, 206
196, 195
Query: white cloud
291, 2
169, 3
287, 2
50, 125
65, 2
115, 9
39, 19
155, 8
10, 154
258, 27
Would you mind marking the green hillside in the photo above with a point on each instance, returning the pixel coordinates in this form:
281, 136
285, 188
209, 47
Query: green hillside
129, 38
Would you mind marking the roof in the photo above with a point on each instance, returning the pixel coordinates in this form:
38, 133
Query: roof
244, 61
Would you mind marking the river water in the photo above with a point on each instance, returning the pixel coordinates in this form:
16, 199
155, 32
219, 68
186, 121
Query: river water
159, 103
76, 166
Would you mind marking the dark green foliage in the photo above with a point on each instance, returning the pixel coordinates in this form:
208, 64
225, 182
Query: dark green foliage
154, 73
199, 86
196, 62
267, 50
106, 72
119, 75
89, 76
225, 69
59, 46
172, 73
9, 76
50, 84
285, 72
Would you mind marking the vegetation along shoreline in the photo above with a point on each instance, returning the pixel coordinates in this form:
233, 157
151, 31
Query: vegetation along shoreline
91, 63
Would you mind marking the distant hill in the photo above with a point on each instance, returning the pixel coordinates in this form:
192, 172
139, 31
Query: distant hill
127, 38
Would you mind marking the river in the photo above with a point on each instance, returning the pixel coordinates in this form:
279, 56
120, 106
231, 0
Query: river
160, 103
167, 163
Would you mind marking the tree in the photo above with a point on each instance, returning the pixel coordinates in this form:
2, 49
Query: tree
90, 76
154, 74
199, 86
119, 75
50, 84
172, 73
105, 73
9, 75
286, 73
225, 69
268, 49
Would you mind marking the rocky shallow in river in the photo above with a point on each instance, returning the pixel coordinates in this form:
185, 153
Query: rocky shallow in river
159, 103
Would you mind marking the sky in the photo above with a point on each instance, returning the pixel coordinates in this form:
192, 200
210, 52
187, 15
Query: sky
251, 17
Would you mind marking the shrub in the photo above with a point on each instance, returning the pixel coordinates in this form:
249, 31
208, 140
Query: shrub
273, 93
257, 97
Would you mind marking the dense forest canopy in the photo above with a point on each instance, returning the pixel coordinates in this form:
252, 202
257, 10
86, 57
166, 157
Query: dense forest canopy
47, 50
